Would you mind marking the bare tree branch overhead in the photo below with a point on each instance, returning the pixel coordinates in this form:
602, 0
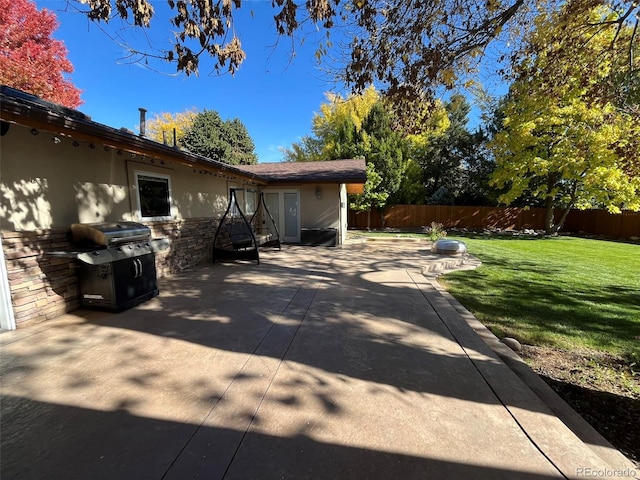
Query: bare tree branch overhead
408, 47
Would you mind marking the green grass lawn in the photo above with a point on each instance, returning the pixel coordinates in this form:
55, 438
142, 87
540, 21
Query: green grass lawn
563, 292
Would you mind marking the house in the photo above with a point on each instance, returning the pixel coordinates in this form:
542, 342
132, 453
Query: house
58, 167
317, 186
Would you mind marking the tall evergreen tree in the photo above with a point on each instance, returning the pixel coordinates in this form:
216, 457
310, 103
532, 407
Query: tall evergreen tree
383, 147
240, 147
224, 141
455, 164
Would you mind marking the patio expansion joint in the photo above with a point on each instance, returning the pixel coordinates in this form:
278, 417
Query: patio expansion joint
295, 310
291, 304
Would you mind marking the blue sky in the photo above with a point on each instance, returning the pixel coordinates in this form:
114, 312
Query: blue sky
274, 95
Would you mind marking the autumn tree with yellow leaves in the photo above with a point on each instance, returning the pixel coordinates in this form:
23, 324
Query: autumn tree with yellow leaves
163, 126
571, 125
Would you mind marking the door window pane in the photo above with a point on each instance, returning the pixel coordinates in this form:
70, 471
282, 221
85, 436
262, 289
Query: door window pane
291, 214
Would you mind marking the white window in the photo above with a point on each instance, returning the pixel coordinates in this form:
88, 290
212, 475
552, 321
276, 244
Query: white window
154, 195
250, 201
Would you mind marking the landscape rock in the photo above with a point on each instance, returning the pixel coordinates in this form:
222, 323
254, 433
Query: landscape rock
512, 343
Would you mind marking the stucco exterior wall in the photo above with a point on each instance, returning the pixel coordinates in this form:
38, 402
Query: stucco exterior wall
320, 212
344, 214
319, 205
47, 185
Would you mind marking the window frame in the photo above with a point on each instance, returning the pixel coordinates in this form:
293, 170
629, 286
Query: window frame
158, 176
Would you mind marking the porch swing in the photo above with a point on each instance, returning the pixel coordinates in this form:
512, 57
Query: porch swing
264, 226
236, 237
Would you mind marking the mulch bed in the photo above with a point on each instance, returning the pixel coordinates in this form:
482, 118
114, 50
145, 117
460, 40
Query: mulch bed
603, 389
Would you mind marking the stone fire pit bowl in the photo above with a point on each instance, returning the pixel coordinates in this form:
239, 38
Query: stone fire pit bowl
449, 247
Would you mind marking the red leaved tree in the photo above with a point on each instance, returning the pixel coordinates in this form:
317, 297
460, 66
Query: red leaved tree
30, 60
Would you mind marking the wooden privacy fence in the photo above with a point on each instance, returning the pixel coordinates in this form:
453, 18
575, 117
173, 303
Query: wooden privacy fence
593, 222
600, 222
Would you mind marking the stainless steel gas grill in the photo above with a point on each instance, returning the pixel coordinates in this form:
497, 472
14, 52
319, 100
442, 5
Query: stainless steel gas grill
117, 264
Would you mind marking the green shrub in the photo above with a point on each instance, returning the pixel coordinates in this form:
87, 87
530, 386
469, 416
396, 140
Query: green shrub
435, 231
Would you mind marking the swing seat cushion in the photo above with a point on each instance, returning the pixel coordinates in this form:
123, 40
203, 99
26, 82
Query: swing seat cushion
240, 237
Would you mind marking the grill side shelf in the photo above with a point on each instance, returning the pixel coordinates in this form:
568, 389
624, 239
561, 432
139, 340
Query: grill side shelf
91, 257
96, 257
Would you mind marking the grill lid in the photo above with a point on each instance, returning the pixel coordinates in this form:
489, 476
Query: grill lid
106, 234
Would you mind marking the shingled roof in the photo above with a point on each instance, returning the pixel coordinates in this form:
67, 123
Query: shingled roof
332, 171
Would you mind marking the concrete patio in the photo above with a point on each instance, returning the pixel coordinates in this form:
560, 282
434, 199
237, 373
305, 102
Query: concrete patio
319, 363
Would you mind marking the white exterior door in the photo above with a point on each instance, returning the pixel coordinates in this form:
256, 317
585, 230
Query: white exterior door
284, 206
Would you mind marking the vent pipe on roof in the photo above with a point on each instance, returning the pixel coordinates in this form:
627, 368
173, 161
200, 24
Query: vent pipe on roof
143, 121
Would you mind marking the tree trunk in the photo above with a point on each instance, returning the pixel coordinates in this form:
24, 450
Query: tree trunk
563, 217
549, 227
552, 228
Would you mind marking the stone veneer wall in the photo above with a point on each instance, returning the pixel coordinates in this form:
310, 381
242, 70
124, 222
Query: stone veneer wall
191, 243
44, 286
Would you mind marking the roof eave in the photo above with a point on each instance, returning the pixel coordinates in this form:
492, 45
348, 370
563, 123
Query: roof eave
35, 114
292, 181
